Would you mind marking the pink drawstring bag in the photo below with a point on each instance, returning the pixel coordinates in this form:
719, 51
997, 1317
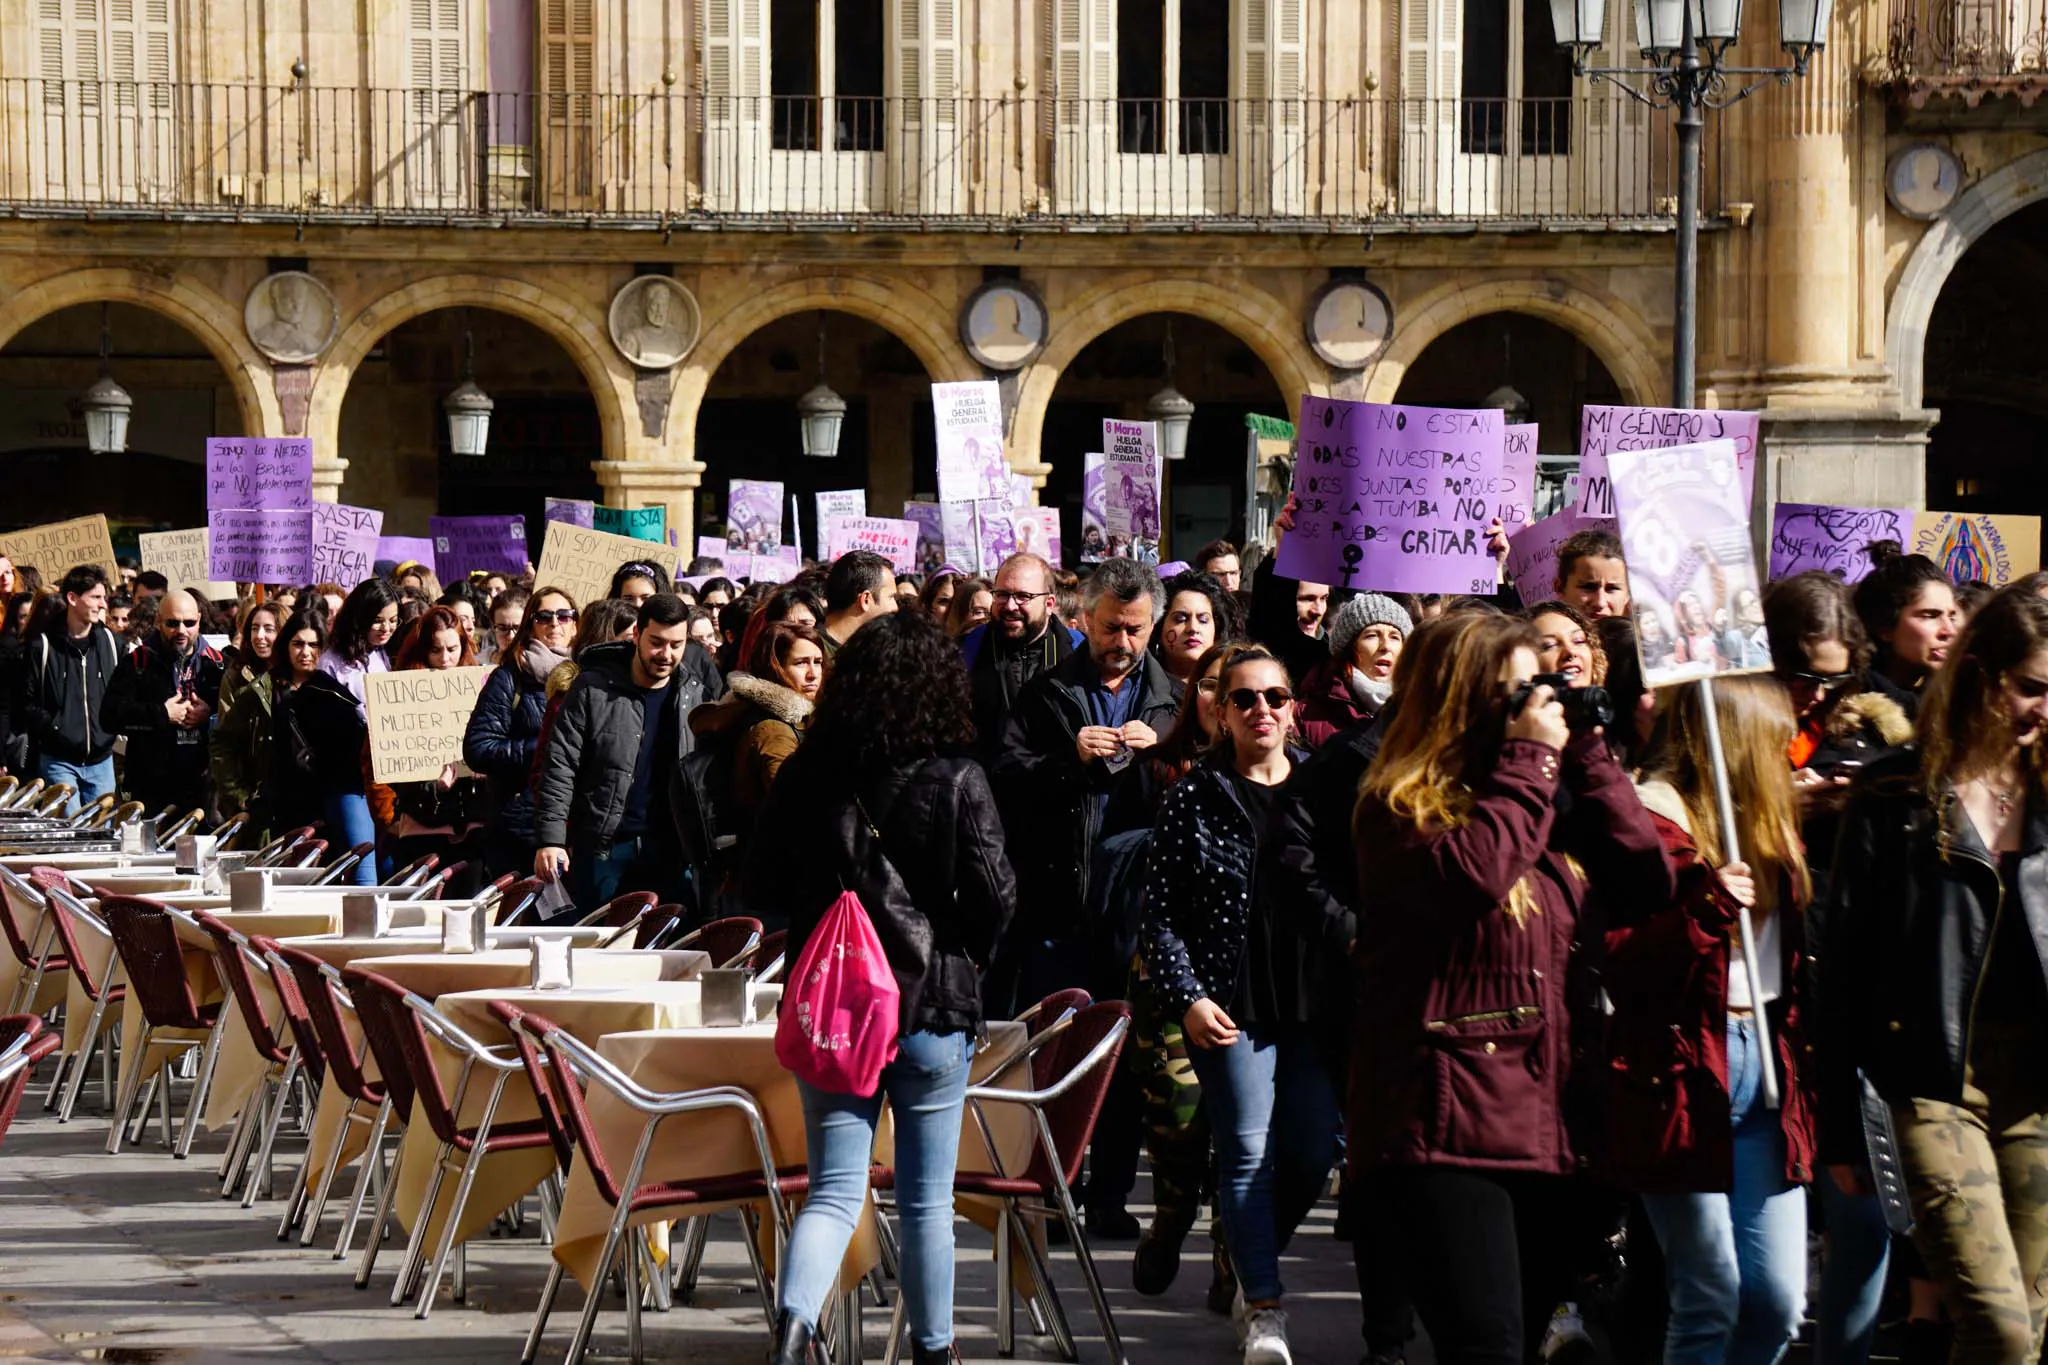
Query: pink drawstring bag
839, 1016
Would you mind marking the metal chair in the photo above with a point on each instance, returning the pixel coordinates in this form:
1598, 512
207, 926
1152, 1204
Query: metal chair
338, 871
555, 1061
305, 854
146, 936
91, 815
23, 1045
240, 965
70, 920
126, 813
52, 800
725, 941
620, 912
415, 872
25, 925
230, 829
768, 960
371, 1101
400, 1025
24, 795
167, 835
273, 853
520, 903
9, 784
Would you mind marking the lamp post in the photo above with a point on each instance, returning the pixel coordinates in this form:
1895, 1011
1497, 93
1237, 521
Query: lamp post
1173, 410
821, 411
106, 405
1686, 43
468, 408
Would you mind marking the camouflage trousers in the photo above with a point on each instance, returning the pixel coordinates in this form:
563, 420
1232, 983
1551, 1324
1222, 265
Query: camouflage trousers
1978, 1176
1176, 1132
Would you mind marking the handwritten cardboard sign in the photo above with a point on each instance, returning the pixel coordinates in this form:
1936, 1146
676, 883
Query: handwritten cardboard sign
1603, 430
417, 718
969, 427
1517, 476
1807, 535
275, 473
641, 523
893, 540
1532, 551
581, 563
574, 511
1394, 498
1691, 570
1130, 497
1978, 545
260, 545
344, 543
184, 558
712, 547
59, 546
463, 545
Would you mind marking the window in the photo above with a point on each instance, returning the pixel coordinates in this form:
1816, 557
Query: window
1173, 76
825, 60
107, 46
1515, 84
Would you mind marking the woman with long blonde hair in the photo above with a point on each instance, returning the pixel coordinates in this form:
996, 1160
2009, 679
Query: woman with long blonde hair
1478, 916
1721, 1173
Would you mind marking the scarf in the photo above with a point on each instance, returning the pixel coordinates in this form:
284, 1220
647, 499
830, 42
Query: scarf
537, 661
1370, 693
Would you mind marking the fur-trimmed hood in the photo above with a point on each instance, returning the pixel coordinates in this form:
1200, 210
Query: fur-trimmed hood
750, 699
1872, 711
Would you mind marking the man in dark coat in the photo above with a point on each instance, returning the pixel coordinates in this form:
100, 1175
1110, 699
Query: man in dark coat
163, 699
1022, 640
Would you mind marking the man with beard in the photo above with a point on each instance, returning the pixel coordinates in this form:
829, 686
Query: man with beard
161, 699
1021, 641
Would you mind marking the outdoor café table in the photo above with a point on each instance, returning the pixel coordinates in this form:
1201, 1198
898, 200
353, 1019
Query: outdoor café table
494, 974
240, 1068
106, 860
715, 1143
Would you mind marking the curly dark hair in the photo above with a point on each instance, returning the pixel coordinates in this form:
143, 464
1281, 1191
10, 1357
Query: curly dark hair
897, 694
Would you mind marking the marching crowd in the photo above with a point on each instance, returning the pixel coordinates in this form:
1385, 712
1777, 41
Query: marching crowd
1434, 891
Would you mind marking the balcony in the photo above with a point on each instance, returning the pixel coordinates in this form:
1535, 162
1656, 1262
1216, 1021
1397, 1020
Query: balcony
672, 162
1969, 50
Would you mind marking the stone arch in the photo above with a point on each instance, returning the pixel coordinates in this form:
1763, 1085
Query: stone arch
213, 320
1268, 326
1621, 339
1976, 210
577, 327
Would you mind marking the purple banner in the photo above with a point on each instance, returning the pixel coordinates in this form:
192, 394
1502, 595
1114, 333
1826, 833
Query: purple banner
259, 545
1394, 498
1532, 551
1807, 535
1094, 509
344, 543
464, 545
931, 535
405, 550
571, 512
275, 474
1518, 477
1606, 429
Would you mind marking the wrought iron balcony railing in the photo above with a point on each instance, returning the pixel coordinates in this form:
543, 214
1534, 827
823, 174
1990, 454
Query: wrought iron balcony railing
198, 151
1972, 47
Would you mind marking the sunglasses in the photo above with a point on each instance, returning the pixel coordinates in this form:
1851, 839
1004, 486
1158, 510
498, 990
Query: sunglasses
1245, 698
174, 621
561, 617
1826, 682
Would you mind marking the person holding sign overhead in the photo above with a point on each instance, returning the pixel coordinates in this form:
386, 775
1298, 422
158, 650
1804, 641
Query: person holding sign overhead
442, 816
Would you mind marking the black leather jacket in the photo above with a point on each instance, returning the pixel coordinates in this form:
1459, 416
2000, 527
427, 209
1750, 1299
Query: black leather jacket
1901, 946
939, 896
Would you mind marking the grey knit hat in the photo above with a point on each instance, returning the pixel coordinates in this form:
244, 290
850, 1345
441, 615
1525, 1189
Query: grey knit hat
1366, 609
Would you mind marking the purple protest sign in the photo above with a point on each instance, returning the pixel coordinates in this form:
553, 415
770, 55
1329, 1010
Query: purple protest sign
963, 540
271, 473
968, 418
344, 543
1605, 429
1394, 498
995, 533
259, 545
931, 535
1517, 476
779, 566
1094, 508
895, 541
571, 512
405, 550
463, 545
753, 516
1807, 535
1532, 551
1038, 532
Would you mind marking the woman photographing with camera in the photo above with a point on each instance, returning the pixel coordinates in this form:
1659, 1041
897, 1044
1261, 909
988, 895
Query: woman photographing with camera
1477, 922
1932, 979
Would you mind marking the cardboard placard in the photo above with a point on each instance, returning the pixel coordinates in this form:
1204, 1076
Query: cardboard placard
273, 473
260, 545
1038, 532
1978, 545
1517, 476
1094, 510
786, 563
60, 546
641, 523
464, 545
185, 558
1395, 498
1532, 551
1131, 480
573, 511
712, 547
397, 550
968, 420
1692, 576
1604, 429
417, 718
344, 543
753, 516
931, 535
1806, 535
581, 563
893, 540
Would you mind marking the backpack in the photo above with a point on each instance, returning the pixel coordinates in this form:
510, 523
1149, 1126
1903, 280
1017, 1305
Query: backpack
841, 1013
707, 825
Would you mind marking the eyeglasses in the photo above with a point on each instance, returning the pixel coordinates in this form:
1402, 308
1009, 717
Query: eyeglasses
174, 621
561, 617
506, 630
1208, 686
1245, 698
1825, 682
1004, 597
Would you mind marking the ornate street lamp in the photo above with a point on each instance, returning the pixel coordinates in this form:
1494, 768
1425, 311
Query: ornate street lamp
1171, 409
106, 405
468, 408
1684, 42
821, 412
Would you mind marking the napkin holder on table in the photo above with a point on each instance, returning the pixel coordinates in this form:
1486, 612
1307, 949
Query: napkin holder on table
464, 930
725, 997
365, 914
764, 1000
554, 967
139, 836
194, 851
219, 868
249, 889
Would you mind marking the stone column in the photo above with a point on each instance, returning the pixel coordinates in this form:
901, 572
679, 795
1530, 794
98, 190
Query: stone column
651, 482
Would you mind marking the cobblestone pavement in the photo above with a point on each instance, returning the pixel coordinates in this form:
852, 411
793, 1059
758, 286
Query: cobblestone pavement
135, 1258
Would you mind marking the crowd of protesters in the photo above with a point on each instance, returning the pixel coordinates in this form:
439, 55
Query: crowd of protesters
1388, 891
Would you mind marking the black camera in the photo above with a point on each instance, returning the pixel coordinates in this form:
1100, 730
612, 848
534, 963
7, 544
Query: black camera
1585, 708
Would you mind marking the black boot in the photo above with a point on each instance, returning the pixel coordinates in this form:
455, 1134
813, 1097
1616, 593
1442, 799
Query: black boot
793, 1342
925, 1355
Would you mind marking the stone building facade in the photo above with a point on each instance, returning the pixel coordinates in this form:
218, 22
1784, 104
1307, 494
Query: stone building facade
846, 177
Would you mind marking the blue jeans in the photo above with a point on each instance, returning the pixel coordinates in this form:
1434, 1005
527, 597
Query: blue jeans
926, 1087
596, 878
349, 824
1736, 1262
1859, 1249
1274, 1117
91, 780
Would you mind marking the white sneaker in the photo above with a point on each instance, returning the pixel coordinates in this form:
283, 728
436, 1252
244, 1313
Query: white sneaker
1265, 1338
1238, 1314
1566, 1332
